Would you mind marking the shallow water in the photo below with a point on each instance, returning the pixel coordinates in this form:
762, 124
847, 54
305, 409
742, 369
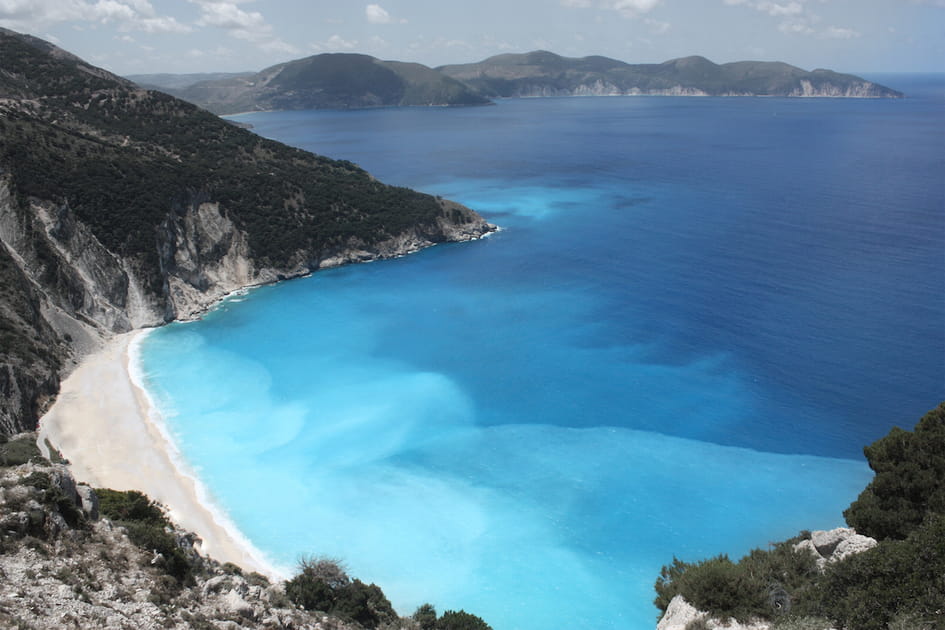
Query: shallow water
697, 313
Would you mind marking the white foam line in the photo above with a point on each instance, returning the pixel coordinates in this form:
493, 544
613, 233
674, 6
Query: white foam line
156, 419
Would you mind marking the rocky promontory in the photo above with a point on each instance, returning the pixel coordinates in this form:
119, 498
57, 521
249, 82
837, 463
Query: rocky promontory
123, 208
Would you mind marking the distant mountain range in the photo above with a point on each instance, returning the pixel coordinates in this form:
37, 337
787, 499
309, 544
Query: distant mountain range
543, 73
352, 81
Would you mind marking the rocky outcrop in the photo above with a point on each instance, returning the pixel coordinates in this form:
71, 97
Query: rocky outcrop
78, 292
63, 567
680, 614
827, 89
203, 258
834, 545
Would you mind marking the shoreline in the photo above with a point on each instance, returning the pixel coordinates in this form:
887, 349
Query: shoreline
106, 425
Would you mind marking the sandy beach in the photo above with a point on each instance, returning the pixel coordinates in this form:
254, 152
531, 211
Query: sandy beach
105, 425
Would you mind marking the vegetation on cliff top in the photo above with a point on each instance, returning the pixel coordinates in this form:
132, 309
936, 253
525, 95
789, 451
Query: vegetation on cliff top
122, 158
898, 583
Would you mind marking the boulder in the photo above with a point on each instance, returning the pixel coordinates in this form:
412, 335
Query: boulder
827, 541
233, 603
857, 543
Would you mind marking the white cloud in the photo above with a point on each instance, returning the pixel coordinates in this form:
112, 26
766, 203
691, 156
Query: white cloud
626, 8
795, 19
376, 14
657, 27
128, 15
775, 9
632, 8
227, 15
834, 32
793, 26
248, 26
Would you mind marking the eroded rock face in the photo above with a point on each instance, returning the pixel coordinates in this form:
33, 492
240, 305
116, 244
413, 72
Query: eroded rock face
75, 292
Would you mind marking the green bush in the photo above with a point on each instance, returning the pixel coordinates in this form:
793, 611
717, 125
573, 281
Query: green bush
895, 579
898, 584
763, 584
129, 505
910, 469
19, 451
323, 585
147, 527
425, 616
461, 620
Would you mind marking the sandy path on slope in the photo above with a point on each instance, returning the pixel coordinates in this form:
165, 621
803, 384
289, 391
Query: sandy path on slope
105, 425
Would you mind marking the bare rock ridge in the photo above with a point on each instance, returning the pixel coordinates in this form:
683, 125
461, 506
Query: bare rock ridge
123, 208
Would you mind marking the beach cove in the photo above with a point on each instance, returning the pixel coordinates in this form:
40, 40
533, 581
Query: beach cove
104, 423
659, 355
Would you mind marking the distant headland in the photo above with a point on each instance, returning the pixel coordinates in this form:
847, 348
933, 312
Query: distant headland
355, 81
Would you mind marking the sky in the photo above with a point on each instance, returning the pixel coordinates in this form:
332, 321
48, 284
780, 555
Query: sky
184, 36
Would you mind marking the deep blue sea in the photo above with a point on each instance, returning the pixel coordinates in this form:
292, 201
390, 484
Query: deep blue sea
697, 313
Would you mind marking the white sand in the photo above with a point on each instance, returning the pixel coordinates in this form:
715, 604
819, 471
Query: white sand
112, 436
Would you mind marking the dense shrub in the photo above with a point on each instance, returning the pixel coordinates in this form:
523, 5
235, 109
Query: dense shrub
898, 579
130, 505
323, 585
461, 620
898, 584
762, 584
425, 616
19, 451
909, 481
426, 619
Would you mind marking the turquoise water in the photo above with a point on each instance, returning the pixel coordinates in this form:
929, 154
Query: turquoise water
697, 313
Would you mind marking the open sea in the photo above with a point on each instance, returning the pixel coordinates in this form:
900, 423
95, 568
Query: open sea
697, 313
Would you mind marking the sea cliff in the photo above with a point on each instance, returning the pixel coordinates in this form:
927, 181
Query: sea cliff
122, 208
